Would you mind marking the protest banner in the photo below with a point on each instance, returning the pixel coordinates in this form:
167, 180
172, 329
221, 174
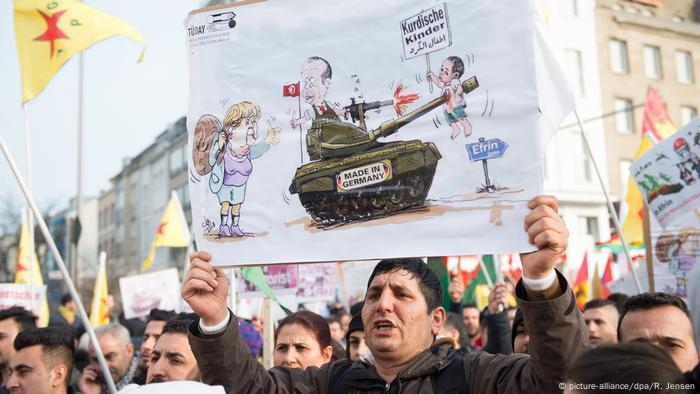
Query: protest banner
141, 293
668, 174
384, 160
27, 296
676, 251
282, 278
317, 282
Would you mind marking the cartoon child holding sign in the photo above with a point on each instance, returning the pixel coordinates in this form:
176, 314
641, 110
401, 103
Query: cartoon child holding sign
451, 71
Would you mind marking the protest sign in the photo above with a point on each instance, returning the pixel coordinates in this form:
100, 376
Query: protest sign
282, 278
141, 293
367, 162
676, 251
317, 282
27, 296
668, 175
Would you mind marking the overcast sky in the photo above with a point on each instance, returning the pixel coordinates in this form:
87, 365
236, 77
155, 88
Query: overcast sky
126, 105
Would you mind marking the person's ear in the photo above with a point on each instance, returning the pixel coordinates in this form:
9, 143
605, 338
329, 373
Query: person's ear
438, 316
327, 354
130, 348
58, 375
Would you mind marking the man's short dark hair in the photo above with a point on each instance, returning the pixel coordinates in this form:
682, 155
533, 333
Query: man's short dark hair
427, 279
619, 300
647, 301
457, 65
159, 315
328, 74
471, 305
24, 318
56, 346
599, 303
66, 298
179, 323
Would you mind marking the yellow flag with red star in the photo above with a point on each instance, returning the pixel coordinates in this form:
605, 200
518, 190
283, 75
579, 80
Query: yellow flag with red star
172, 231
99, 311
48, 33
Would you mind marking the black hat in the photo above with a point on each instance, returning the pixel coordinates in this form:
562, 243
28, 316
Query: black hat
517, 320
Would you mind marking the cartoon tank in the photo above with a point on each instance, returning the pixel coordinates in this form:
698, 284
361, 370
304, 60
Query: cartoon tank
353, 176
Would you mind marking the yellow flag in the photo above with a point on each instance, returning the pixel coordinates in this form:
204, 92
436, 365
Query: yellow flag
48, 33
99, 312
28, 271
172, 231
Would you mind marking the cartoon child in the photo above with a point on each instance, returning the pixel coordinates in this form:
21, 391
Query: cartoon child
451, 70
234, 147
316, 74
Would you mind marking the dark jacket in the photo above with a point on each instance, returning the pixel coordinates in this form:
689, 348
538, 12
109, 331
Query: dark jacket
558, 337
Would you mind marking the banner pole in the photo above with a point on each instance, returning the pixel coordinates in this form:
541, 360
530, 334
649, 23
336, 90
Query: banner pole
61, 265
268, 333
613, 214
649, 251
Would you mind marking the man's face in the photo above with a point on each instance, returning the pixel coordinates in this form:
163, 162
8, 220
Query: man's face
29, 375
470, 316
396, 318
153, 330
345, 322
337, 332
357, 345
446, 73
522, 340
242, 137
8, 332
118, 355
667, 327
172, 360
602, 325
314, 86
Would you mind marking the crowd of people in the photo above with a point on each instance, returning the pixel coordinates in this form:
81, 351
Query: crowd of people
530, 338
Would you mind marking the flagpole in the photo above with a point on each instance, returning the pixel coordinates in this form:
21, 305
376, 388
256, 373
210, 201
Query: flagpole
301, 147
30, 219
78, 194
613, 214
489, 281
61, 265
647, 244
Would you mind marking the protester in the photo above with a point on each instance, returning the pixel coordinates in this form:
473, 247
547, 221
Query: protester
172, 357
663, 320
471, 318
336, 328
43, 362
251, 337
120, 356
154, 327
344, 318
13, 320
454, 328
402, 316
519, 339
630, 367
66, 314
357, 346
302, 339
601, 317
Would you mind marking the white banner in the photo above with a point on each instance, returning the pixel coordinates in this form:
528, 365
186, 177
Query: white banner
317, 282
314, 136
141, 293
26, 296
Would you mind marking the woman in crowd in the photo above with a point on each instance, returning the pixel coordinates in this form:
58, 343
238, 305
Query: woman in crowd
303, 339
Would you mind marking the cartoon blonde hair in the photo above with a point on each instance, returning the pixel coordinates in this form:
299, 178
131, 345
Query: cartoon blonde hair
237, 112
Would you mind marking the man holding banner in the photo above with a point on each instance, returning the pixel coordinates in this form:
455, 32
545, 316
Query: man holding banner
402, 315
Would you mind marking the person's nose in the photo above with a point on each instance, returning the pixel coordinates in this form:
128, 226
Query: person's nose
156, 369
591, 327
291, 358
12, 382
386, 301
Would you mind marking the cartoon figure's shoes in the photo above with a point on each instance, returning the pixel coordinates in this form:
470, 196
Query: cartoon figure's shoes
236, 232
224, 231
455, 134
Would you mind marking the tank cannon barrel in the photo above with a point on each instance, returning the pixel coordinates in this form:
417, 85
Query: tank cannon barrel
356, 111
391, 126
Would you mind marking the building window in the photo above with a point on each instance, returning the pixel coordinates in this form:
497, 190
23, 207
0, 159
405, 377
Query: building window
576, 68
624, 123
684, 67
688, 113
618, 56
588, 225
177, 160
652, 62
571, 8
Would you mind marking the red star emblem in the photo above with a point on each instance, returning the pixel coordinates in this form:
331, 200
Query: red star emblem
161, 227
52, 32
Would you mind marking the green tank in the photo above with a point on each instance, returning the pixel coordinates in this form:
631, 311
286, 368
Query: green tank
353, 176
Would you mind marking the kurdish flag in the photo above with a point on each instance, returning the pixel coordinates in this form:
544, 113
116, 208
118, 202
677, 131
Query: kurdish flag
48, 33
582, 288
172, 231
27, 270
656, 125
99, 311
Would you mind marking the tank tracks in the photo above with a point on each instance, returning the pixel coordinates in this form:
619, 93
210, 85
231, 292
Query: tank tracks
331, 208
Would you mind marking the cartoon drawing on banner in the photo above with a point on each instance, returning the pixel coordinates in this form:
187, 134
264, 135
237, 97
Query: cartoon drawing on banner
373, 135
679, 250
229, 149
689, 161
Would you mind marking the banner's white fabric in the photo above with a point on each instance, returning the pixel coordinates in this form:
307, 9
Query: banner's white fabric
272, 128
143, 292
